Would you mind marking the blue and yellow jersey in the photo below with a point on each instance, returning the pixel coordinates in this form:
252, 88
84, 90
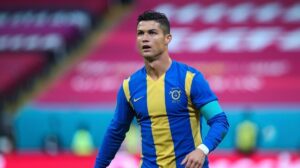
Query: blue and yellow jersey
167, 110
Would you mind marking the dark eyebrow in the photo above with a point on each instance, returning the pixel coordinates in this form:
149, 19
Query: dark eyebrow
152, 30
146, 30
140, 31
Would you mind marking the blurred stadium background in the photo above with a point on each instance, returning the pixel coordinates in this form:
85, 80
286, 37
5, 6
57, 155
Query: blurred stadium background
61, 63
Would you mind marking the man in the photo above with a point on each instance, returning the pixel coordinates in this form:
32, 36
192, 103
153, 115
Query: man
169, 100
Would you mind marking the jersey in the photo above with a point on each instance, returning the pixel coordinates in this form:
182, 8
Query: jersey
167, 111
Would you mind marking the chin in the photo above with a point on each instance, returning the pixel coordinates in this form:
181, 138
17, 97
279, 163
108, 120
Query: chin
150, 58
147, 55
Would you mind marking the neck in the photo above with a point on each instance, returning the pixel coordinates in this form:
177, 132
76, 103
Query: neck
156, 68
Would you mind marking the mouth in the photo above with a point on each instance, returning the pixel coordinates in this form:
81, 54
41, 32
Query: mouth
146, 47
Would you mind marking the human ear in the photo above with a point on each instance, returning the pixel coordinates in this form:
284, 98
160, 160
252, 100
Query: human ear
168, 39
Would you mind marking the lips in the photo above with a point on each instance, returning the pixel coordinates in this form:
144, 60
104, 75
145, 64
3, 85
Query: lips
146, 47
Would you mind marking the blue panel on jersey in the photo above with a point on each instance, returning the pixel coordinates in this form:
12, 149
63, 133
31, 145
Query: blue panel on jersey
176, 106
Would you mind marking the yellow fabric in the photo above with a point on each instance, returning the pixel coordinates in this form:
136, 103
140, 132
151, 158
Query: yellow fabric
194, 113
160, 125
126, 90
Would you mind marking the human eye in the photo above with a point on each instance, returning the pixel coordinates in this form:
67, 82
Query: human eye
140, 33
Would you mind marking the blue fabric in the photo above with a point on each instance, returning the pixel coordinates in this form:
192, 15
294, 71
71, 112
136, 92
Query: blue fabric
218, 129
201, 93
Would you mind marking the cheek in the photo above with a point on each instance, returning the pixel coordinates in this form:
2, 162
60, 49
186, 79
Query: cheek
138, 43
160, 44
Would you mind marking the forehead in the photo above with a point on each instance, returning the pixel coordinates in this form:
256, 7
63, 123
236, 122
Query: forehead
148, 25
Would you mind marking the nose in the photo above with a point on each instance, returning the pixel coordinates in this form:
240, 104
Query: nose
145, 38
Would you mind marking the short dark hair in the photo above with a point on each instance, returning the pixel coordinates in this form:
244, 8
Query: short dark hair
158, 17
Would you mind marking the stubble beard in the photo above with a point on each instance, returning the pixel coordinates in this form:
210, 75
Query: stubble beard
153, 58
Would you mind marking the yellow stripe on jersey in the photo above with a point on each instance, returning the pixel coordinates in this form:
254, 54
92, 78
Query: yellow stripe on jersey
194, 113
126, 89
159, 123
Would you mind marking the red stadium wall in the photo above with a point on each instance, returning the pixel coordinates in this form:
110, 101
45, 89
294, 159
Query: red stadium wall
125, 160
247, 50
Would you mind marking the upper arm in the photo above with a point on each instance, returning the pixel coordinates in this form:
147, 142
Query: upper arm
201, 93
211, 109
123, 111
